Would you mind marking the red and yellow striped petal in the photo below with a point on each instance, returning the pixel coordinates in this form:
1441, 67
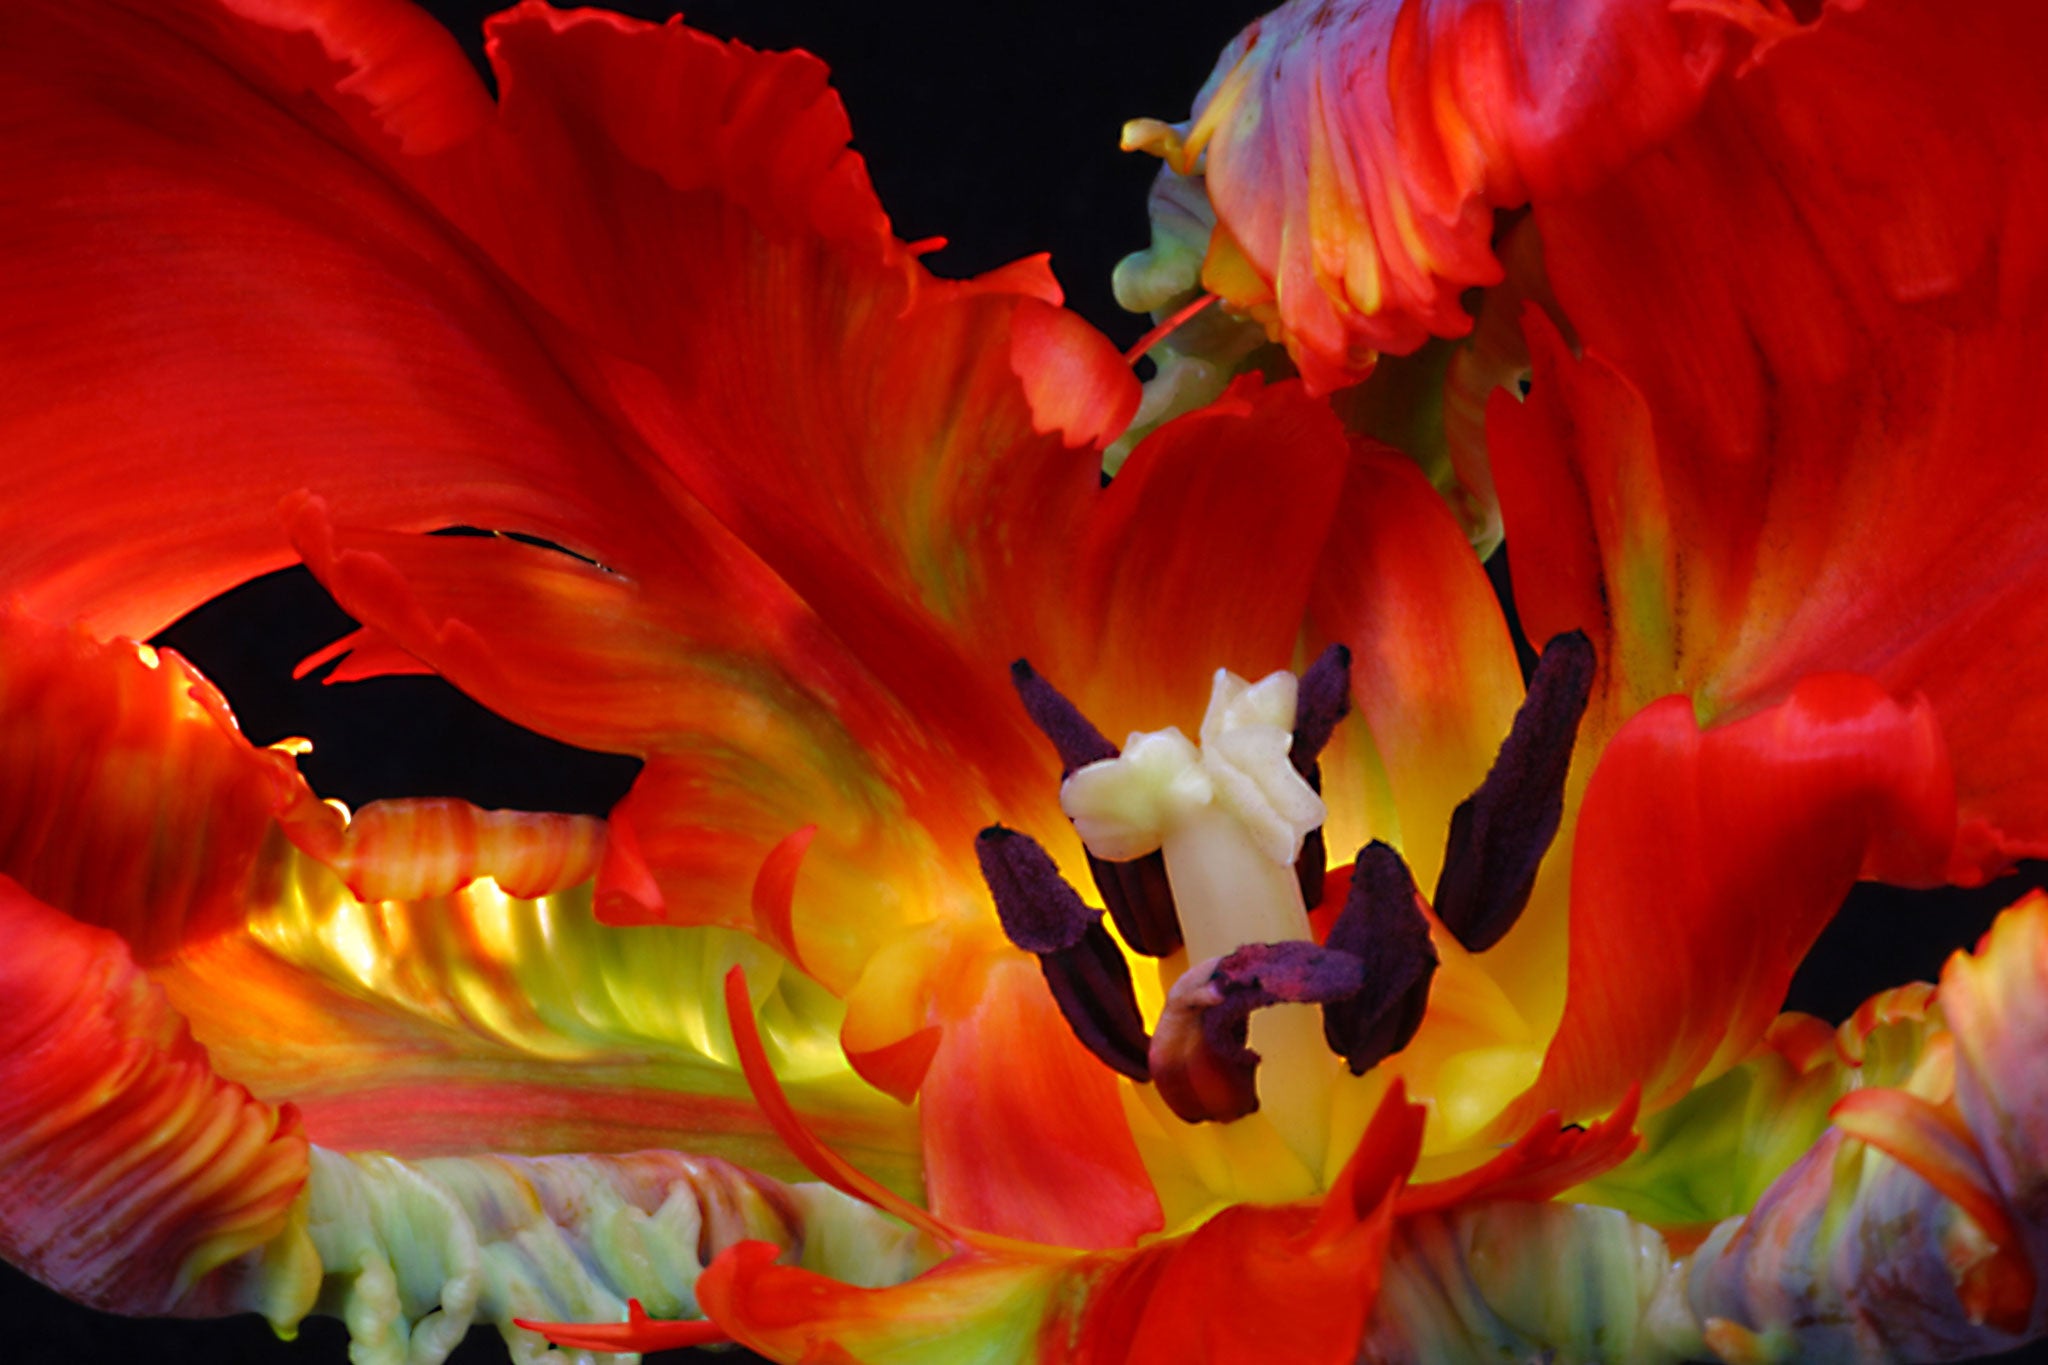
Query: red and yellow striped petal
1355, 153
427, 980
129, 1168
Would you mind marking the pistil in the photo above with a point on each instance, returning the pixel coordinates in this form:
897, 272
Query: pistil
1230, 818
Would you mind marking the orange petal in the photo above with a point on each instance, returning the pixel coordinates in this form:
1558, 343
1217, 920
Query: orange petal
1434, 680
1706, 863
414, 850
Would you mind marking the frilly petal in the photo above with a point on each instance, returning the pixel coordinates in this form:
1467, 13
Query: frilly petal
1355, 153
1913, 1230
129, 1168
412, 1253
92, 737
427, 978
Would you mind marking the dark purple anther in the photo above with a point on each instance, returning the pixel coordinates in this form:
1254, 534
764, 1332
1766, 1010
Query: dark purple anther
1135, 892
1322, 699
1140, 900
1075, 737
1200, 1061
1382, 925
1092, 984
1500, 833
1040, 912
1044, 916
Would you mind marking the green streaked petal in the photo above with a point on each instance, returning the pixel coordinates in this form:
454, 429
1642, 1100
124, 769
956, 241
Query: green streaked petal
482, 1021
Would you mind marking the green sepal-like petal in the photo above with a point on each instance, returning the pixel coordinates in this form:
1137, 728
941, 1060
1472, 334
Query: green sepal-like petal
1714, 1153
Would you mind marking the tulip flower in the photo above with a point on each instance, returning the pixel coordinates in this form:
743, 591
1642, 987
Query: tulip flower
1423, 1015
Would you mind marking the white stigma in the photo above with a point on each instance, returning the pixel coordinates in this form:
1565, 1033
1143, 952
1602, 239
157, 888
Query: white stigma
1127, 806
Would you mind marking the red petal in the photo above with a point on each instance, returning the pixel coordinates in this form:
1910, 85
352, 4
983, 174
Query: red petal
128, 1169
1356, 152
883, 440
1820, 449
1024, 1130
1292, 1282
753, 719
1543, 1163
1705, 864
1200, 556
214, 296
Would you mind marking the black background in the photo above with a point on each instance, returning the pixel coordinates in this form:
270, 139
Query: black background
991, 124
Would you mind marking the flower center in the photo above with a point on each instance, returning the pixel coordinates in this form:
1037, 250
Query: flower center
1214, 846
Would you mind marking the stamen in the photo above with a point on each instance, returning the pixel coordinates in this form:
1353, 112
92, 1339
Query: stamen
1140, 901
1321, 699
1500, 833
1201, 1060
1382, 924
1075, 737
1089, 978
1136, 893
1324, 698
1039, 911
1091, 983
